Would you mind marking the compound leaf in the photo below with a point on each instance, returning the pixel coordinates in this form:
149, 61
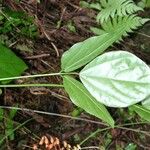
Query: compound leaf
82, 98
113, 8
117, 79
127, 23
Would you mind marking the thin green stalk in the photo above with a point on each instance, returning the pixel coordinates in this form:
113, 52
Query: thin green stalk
38, 75
30, 85
30, 76
117, 126
94, 133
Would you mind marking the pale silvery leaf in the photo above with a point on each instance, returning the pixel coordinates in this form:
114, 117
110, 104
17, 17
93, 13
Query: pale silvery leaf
117, 79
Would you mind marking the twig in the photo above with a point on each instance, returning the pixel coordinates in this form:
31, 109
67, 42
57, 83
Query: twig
53, 114
148, 36
37, 56
90, 147
55, 48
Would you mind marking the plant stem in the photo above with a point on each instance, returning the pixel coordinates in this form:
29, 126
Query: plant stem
119, 127
30, 85
38, 75
53, 114
94, 133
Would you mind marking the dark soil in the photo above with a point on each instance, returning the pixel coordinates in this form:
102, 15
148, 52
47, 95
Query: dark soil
52, 42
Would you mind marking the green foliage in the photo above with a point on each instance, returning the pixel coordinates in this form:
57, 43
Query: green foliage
85, 4
10, 64
112, 31
113, 14
141, 111
81, 97
117, 79
131, 146
76, 112
83, 52
17, 23
146, 103
144, 3
9, 123
126, 23
71, 26
1, 114
113, 8
14, 24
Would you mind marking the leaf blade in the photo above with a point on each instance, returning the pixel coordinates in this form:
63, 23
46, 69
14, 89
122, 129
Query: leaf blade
81, 97
83, 52
146, 103
10, 64
117, 79
141, 111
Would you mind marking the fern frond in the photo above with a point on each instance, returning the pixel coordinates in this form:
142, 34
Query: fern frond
112, 8
124, 25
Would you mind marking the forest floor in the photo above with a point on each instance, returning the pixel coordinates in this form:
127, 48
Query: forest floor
62, 24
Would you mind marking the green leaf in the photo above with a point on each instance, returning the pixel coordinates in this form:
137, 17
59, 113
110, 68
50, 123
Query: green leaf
146, 103
12, 113
83, 52
81, 97
96, 6
97, 31
141, 111
127, 23
10, 133
112, 8
10, 64
1, 114
144, 3
117, 79
131, 146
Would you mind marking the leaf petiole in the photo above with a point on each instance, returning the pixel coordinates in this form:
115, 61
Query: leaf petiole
38, 75
31, 85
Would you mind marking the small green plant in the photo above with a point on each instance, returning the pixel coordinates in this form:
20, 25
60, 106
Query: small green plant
71, 26
113, 14
114, 79
17, 23
9, 124
15, 27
